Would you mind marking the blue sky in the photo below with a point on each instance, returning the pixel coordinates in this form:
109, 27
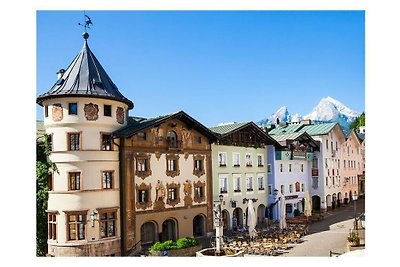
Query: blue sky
218, 66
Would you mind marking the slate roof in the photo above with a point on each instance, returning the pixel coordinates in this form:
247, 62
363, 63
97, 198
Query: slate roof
313, 129
85, 77
318, 129
136, 124
300, 136
286, 129
227, 129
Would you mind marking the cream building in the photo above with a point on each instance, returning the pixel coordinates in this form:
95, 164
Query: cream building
82, 110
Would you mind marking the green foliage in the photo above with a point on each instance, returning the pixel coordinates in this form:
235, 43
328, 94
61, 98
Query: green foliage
353, 237
184, 242
44, 168
359, 121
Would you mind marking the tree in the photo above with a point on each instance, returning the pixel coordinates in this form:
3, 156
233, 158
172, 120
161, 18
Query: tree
44, 167
359, 121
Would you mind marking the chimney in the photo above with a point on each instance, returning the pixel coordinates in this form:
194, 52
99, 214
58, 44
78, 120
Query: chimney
60, 73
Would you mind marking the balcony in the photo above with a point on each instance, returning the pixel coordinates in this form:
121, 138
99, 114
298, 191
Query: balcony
299, 154
296, 154
174, 144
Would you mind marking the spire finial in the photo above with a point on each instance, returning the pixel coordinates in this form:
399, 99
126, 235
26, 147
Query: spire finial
86, 25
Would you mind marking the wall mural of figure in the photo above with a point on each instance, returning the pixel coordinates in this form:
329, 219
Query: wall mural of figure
160, 191
187, 188
186, 137
154, 136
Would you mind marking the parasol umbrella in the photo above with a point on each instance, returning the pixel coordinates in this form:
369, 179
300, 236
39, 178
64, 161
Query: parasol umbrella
282, 221
307, 203
251, 219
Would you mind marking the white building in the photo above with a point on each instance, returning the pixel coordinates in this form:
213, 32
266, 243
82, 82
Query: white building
326, 177
292, 171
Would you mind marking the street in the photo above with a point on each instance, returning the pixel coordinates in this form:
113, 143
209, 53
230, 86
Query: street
330, 234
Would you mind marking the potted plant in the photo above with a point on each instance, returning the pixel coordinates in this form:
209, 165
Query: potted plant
353, 238
185, 246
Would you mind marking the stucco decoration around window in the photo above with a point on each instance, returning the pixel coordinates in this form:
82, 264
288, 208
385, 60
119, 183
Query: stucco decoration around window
142, 169
187, 190
198, 165
172, 168
199, 189
186, 155
91, 111
57, 112
148, 203
120, 115
173, 197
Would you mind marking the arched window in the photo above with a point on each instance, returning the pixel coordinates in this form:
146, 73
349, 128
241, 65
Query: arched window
172, 139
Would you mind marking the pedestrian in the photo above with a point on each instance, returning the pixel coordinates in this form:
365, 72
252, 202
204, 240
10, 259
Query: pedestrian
234, 223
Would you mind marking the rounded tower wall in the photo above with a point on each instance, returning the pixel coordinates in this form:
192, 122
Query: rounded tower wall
90, 111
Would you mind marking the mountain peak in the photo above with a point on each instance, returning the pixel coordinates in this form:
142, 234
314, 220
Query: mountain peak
327, 110
332, 110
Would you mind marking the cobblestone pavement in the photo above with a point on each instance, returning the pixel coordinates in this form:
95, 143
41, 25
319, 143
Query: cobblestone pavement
329, 234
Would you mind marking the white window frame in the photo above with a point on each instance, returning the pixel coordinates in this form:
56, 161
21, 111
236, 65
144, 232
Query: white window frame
223, 179
225, 156
249, 159
234, 156
237, 178
269, 168
258, 160
262, 178
249, 182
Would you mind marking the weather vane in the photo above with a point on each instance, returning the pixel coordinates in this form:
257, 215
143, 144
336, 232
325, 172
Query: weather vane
88, 22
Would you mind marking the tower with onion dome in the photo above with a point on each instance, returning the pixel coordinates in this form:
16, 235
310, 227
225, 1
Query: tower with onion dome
81, 111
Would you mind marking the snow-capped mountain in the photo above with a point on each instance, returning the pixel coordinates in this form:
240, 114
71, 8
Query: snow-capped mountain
327, 110
331, 110
282, 114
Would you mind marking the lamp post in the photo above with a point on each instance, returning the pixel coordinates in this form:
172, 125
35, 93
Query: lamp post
355, 197
218, 225
275, 197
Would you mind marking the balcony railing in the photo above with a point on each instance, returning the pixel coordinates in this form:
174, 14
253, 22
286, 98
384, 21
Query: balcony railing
174, 144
